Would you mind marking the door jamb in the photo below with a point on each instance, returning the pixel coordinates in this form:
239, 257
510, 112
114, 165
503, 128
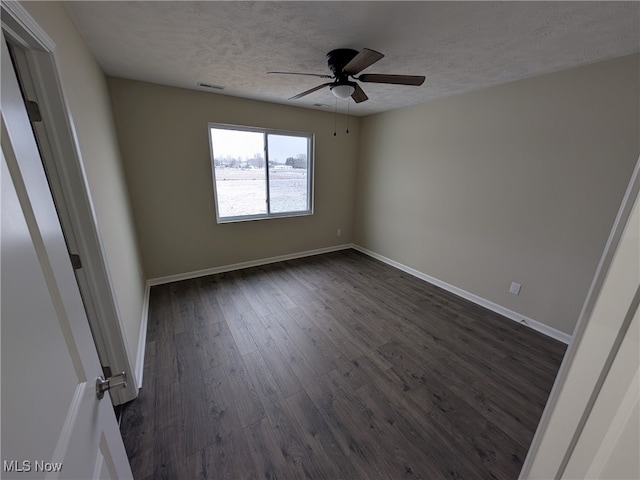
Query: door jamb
64, 156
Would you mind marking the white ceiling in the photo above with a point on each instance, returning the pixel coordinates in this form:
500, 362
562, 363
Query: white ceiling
458, 46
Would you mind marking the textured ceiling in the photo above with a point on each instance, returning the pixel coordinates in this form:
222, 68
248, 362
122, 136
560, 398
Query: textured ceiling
458, 46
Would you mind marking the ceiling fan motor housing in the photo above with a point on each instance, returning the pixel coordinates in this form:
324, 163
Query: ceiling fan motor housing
338, 59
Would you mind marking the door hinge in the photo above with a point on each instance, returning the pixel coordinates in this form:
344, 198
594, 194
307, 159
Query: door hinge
33, 111
75, 261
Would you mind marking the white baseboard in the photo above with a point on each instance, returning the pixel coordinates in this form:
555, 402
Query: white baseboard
142, 337
142, 342
239, 266
510, 314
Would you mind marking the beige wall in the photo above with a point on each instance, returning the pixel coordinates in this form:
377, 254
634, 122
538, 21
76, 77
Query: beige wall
165, 146
519, 182
88, 101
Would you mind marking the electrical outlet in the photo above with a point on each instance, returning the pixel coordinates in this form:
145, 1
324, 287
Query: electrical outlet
515, 288
339, 232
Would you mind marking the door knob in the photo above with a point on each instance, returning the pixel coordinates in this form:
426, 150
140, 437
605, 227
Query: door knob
115, 382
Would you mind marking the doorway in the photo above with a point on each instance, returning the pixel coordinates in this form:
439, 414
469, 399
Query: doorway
33, 59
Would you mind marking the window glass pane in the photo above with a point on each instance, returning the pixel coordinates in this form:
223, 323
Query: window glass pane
251, 183
288, 173
239, 172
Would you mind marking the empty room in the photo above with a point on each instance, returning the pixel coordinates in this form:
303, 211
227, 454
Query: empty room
323, 240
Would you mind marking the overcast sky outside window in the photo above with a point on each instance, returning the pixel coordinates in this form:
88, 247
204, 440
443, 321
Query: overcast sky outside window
236, 144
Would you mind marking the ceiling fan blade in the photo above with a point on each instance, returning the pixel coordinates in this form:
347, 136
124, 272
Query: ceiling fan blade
416, 80
300, 95
361, 61
308, 74
358, 95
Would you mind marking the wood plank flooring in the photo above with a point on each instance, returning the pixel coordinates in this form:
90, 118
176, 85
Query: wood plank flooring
335, 366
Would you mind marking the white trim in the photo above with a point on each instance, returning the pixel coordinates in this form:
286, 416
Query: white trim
62, 153
311, 140
505, 312
239, 266
24, 29
510, 314
142, 337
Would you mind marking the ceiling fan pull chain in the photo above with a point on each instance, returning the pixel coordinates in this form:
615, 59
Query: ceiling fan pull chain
335, 118
348, 104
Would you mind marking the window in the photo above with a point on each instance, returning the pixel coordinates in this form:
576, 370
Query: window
260, 173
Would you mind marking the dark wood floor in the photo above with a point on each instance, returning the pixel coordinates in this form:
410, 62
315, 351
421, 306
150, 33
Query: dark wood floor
335, 366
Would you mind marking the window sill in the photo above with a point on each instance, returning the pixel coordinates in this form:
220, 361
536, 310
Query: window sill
251, 218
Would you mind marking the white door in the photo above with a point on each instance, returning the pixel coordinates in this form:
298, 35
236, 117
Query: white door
53, 424
609, 444
590, 427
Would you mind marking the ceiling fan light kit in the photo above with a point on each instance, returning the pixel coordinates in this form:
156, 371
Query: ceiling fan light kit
343, 90
345, 63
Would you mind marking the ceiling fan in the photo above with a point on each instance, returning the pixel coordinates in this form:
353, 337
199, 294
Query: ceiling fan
345, 63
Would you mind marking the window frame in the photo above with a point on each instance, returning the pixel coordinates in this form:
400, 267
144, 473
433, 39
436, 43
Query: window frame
265, 132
